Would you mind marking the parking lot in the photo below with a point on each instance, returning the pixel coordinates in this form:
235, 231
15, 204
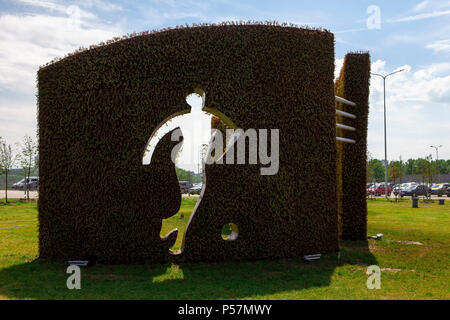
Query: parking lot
18, 194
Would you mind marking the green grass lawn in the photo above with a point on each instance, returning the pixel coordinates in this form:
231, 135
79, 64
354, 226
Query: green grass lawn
179, 221
414, 256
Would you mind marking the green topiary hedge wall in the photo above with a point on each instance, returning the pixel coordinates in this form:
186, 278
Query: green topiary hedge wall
353, 85
98, 108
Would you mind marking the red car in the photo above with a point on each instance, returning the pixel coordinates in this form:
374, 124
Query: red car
379, 190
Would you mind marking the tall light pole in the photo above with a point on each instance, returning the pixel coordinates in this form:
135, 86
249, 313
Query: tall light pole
385, 143
437, 159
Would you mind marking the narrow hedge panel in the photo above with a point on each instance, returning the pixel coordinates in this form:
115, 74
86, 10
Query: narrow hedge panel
98, 108
353, 84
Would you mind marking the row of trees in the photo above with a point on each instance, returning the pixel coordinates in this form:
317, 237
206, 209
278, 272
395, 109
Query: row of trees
426, 167
191, 176
23, 155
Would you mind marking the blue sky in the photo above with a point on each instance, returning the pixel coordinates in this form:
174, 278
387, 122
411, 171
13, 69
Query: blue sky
413, 35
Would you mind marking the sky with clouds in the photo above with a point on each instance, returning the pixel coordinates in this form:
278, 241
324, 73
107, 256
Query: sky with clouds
409, 35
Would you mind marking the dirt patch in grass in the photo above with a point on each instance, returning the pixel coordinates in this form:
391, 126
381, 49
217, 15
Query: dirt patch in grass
417, 243
393, 270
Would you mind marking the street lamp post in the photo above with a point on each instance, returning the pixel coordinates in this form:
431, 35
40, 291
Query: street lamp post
437, 159
385, 143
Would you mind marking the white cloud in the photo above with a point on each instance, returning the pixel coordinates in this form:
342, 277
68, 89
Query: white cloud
427, 84
338, 63
420, 6
17, 118
50, 5
440, 45
431, 71
378, 66
29, 41
100, 4
421, 16
74, 12
418, 110
62, 7
434, 8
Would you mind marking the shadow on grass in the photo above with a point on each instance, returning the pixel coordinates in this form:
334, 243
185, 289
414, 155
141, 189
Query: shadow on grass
229, 280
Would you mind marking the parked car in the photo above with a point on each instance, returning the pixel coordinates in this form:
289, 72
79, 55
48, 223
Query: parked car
448, 192
396, 189
196, 189
403, 186
378, 190
370, 189
33, 184
185, 186
415, 190
440, 189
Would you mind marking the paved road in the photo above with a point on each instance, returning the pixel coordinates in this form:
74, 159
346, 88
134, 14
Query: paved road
17, 194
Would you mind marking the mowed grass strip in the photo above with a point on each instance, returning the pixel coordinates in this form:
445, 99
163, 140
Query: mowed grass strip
179, 221
413, 256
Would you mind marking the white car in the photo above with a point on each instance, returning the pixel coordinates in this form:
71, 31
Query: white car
33, 184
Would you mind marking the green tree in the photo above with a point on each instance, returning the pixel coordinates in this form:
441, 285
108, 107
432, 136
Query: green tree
2, 171
27, 160
443, 166
420, 168
377, 170
411, 166
185, 175
424, 167
7, 161
394, 171
427, 170
402, 169
369, 167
